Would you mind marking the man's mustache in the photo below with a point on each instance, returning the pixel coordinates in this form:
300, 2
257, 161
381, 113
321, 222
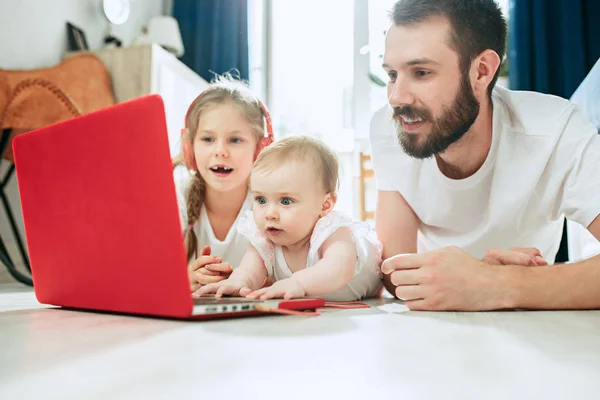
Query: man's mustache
411, 113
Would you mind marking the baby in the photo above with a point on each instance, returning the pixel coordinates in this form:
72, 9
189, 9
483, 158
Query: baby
296, 237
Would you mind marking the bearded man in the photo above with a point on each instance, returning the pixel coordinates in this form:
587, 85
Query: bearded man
474, 180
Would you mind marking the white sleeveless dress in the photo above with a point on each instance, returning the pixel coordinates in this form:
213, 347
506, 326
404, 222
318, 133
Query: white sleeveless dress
366, 281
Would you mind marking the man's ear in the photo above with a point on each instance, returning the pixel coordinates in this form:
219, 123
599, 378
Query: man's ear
484, 68
328, 204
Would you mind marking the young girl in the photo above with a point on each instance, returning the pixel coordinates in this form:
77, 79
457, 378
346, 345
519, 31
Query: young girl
224, 132
295, 236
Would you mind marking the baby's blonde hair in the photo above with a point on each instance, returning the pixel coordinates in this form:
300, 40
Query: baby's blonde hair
224, 89
303, 149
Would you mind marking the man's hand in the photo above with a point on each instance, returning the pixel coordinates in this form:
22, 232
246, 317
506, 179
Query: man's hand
446, 279
528, 257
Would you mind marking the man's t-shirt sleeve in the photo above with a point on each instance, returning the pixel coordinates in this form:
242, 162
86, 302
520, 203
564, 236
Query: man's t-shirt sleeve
580, 150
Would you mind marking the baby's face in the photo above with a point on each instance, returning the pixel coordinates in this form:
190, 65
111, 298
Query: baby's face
288, 202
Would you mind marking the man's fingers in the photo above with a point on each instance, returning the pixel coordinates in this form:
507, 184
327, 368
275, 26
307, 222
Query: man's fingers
417, 305
491, 260
508, 257
409, 292
531, 251
402, 261
406, 277
500, 257
513, 257
540, 261
534, 253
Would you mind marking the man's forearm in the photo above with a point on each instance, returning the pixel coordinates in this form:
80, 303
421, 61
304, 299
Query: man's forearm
566, 286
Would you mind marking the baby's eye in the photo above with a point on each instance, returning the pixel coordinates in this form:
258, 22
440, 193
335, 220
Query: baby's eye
207, 139
260, 200
235, 140
286, 201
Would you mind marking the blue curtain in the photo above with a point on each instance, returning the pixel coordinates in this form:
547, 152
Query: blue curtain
215, 35
553, 44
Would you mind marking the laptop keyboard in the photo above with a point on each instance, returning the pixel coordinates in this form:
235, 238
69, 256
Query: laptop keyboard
210, 299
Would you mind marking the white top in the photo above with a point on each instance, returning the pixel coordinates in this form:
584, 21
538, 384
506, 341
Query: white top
233, 248
543, 165
367, 277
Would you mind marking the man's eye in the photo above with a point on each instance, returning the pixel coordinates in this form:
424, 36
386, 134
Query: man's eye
286, 201
420, 73
392, 76
261, 200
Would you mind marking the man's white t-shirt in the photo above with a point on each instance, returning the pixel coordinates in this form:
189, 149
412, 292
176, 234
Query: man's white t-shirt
543, 165
233, 248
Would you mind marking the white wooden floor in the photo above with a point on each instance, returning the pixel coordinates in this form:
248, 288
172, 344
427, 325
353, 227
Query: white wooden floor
50, 353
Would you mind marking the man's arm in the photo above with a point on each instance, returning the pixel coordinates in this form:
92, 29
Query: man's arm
451, 279
569, 286
396, 225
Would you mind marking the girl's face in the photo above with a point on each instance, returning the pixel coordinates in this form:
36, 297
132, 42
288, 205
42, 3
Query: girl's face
288, 202
224, 147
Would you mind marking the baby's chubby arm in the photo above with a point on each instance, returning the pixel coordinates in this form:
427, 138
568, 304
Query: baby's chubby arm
335, 269
249, 276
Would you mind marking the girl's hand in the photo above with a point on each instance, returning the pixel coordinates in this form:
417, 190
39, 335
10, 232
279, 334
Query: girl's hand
207, 269
232, 287
286, 289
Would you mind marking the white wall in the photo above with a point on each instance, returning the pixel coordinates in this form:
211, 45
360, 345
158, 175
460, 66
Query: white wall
34, 32
34, 35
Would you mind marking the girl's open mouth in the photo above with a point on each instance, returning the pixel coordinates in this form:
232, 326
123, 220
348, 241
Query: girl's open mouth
221, 170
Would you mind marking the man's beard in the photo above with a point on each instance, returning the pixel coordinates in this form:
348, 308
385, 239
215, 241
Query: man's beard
446, 130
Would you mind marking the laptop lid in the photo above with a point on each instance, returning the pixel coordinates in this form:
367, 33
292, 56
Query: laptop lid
100, 212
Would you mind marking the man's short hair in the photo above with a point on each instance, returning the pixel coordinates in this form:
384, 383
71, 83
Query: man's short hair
476, 25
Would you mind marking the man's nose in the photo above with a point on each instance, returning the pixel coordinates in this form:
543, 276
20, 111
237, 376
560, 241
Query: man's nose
400, 93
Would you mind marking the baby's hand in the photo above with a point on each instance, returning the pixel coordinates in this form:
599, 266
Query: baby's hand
232, 287
285, 289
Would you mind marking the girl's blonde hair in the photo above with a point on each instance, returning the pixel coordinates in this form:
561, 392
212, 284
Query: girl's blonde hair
223, 89
304, 149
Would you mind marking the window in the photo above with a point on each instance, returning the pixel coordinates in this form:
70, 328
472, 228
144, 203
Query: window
310, 66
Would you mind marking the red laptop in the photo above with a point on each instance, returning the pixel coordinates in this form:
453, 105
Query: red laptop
102, 221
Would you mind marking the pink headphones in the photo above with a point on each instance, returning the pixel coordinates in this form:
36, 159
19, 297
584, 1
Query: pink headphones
188, 149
